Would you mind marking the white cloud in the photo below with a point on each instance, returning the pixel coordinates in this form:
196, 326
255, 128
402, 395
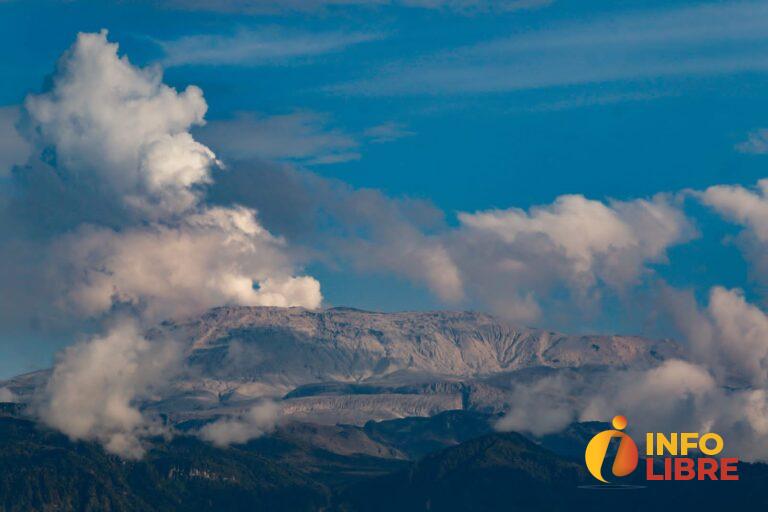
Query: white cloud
512, 257
96, 384
119, 130
14, 149
122, 129
420, 258
741, 337
258, 47
219, 256
739, 204
729, 336
721, 388
541, 407
675, 396
302, 136
748, 208
581, 228
257, 421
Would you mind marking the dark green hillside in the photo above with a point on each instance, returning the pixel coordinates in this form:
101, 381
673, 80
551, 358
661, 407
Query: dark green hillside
314, 468
495, 472
41, 470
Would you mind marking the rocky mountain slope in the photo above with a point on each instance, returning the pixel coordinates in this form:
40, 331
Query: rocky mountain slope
294, 346
351, 366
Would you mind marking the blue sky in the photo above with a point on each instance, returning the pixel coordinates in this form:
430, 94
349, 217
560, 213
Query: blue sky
466, 106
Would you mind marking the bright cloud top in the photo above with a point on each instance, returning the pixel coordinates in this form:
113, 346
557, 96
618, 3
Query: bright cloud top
119, 125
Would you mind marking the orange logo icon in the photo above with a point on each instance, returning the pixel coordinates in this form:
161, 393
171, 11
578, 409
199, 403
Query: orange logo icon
626, 456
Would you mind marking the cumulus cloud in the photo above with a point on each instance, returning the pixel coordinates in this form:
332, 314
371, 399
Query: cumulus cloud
586, 231
729, 336
576, 242
14, 149
96, 385
258, 47
739, 338
119, 127
219, 256
674, 396
747, 207
257, 421
110, 218
114, 134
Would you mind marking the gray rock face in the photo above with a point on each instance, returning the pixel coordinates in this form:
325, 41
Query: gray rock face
294, 346
348, 365
351, 366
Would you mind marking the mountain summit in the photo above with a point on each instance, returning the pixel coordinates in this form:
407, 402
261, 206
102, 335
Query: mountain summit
346, 365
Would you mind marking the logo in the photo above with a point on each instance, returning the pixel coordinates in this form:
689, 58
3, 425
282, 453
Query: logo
626, 456
668, 456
